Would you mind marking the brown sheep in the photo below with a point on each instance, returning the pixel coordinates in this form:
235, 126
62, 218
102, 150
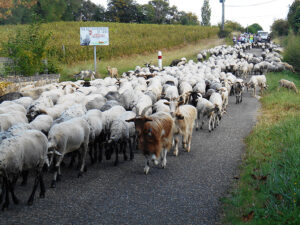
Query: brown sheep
113, 72
288, 84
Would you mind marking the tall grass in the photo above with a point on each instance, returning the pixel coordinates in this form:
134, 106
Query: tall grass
125, 39
292, 51
268, 191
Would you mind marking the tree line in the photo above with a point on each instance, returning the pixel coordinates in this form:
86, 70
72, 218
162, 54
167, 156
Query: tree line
123, 11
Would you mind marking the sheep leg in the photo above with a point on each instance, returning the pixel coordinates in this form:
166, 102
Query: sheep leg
117, 154
185, 141
197, 121
42, 185
12, 189
6, 202
56, 170
147, 165
176, 139
91, 152
164, 160
210, 123
85, 149
100, 152
124, 145
131, 149
189, 142
36, 182
2, 191
24, 176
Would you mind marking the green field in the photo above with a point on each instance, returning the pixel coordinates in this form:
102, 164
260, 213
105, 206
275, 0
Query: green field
125, 39
268, 189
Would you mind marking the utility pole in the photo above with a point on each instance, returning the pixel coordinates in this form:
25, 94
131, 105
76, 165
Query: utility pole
223, 14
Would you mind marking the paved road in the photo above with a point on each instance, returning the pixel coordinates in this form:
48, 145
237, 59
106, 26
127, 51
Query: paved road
186, 192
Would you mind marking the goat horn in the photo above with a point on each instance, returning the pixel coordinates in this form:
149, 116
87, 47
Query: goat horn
145, 110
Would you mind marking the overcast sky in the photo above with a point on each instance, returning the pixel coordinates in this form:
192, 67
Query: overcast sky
247, 12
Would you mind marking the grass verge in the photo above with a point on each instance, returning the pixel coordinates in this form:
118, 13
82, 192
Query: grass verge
126, 63
268, 189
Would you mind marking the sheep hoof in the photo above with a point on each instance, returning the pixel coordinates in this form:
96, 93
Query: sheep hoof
197, 129
163, 165
175, 153
58, 177
30, 202
42, 195
53, 184
146, 170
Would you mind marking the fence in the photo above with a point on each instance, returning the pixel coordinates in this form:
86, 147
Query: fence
15, 83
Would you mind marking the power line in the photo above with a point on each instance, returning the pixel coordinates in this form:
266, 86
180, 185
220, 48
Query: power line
251, 5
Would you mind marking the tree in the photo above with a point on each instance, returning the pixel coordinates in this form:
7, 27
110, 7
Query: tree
50, 11
205, 13
72, 11
254, 28
161, 9
280, 27
189, 19
8, 7
122, 11
294, 16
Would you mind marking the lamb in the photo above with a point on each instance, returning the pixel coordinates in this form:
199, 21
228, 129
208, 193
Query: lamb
68, 137
184, 117
288, 84
19, 153
113, 72
155, 135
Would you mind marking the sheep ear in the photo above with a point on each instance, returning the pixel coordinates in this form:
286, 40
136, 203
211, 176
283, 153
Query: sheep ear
167, 103
131, 120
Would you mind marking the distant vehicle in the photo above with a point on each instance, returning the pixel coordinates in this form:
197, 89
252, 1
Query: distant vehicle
264, 36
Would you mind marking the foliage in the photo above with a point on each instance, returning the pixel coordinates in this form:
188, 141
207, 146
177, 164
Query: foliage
122, 11
125, 39
268, 190
254, 28
292, 51
16, 7
280, 27
294, 16
205, 13
27, 48
224, 33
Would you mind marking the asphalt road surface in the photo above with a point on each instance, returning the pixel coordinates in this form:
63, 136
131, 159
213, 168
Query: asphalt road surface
187, 191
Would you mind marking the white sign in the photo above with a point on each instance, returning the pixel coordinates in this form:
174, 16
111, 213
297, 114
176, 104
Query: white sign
94, 36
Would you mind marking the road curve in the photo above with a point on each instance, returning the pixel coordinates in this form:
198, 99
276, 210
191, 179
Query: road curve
186, 192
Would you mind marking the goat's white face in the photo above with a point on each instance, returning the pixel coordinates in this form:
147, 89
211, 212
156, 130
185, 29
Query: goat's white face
173, 108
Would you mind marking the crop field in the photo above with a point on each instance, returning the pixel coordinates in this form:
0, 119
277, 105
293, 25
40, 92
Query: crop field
125, 39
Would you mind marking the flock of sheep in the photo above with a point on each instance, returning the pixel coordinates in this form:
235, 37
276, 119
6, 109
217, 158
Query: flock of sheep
147, 108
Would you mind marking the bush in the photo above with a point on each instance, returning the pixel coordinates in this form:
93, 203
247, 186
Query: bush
280, 27
224, 33
27, 48
292, 51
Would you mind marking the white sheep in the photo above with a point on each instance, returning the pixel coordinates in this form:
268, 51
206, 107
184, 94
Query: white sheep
288, 84
68, 137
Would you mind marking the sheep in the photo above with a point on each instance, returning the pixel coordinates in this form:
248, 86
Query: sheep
10, 96
288, 84
206, 108
39, 104
121, 133
113, 72
24, 101
224, 94
42, 123
109, 104
159, 106
257, 81
22, 152
216, 99
96, 102
68, 137
11, 107
85, 74
143, 102
94, 118
9, 119
155, 135
76, 110
171, 92
184, 117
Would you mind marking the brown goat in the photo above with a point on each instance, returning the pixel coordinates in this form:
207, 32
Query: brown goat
113, 72
155, 134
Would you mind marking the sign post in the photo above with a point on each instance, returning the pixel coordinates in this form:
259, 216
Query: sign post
93, 36
159, 59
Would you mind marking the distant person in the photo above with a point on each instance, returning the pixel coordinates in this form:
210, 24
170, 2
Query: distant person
234, 39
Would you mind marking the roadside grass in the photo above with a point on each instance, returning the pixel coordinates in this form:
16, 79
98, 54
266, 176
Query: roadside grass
126, 63
268, 189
